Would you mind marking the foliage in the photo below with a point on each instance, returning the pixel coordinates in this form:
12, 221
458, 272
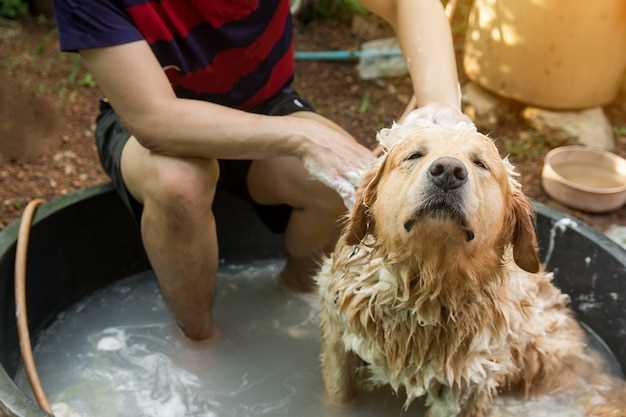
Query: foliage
530, 145
87, 81
326, 9
365, 103
620, 130
73, 77
13, 8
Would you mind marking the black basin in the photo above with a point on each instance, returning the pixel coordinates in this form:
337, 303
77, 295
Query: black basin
90, 235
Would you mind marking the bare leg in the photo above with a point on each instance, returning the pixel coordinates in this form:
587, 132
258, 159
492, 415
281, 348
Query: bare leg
178, 230
315, 223
338, 365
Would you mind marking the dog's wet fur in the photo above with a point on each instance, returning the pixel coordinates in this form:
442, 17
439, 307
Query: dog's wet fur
438, 289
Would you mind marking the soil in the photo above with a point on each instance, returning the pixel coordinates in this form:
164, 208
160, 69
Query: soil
48, 109
29, 122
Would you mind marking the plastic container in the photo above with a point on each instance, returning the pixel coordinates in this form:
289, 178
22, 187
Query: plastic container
548, 53
584, 178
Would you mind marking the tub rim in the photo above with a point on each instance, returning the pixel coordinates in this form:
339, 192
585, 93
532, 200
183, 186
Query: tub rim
13, 401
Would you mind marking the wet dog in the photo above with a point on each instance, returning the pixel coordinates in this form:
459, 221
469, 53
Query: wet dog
435, 285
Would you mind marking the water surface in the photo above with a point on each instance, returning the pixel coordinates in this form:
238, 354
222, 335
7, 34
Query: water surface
118, 353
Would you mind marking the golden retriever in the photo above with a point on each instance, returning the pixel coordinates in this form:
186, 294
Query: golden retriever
435, 285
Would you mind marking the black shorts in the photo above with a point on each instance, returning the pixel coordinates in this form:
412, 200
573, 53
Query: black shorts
112, 136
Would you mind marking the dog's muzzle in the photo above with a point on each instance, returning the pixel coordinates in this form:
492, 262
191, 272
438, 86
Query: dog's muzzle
441, 212
442, 200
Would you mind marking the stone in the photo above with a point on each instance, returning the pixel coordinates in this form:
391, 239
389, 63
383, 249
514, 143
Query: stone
372, 67
587, 127
485, 109
617, 233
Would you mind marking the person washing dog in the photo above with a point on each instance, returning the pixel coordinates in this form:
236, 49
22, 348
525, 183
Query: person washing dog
198, 97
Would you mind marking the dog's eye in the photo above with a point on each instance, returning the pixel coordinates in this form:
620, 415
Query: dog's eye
414, 155
480, 164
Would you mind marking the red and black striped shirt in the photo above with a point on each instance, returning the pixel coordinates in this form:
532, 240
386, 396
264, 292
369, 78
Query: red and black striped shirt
238, 53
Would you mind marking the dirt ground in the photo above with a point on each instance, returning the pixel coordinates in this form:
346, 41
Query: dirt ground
49, 104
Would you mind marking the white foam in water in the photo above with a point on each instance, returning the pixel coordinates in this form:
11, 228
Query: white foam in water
119, 354
110, 343
560, 226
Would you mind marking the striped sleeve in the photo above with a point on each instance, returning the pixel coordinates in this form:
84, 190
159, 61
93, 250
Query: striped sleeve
86, 24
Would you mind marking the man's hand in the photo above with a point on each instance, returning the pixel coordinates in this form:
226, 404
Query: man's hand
425, 117
334, 158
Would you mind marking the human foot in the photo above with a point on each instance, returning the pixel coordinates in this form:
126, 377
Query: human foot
298, 274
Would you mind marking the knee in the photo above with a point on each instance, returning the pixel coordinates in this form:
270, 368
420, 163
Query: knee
323, 199
186, 186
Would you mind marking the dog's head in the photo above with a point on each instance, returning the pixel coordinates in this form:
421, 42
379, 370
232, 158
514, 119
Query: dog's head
445, 190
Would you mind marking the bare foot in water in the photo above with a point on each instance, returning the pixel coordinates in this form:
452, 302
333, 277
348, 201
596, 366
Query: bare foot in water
204, 333
298, 274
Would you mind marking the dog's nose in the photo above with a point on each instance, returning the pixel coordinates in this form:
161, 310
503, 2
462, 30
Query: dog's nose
447, 173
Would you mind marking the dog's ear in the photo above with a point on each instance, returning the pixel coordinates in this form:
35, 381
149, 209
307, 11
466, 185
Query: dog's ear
524, 238
360, 220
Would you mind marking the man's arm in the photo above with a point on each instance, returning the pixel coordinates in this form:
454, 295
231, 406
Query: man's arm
426, 40
138, 89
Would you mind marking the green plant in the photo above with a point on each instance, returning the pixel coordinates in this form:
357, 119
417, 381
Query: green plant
365, 103
45, 41
87, 81
19, 203
326, 9
13, 8
40, 88
76, 67
620, 130
529, 145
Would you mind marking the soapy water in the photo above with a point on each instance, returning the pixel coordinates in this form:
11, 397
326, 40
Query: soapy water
118, 353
